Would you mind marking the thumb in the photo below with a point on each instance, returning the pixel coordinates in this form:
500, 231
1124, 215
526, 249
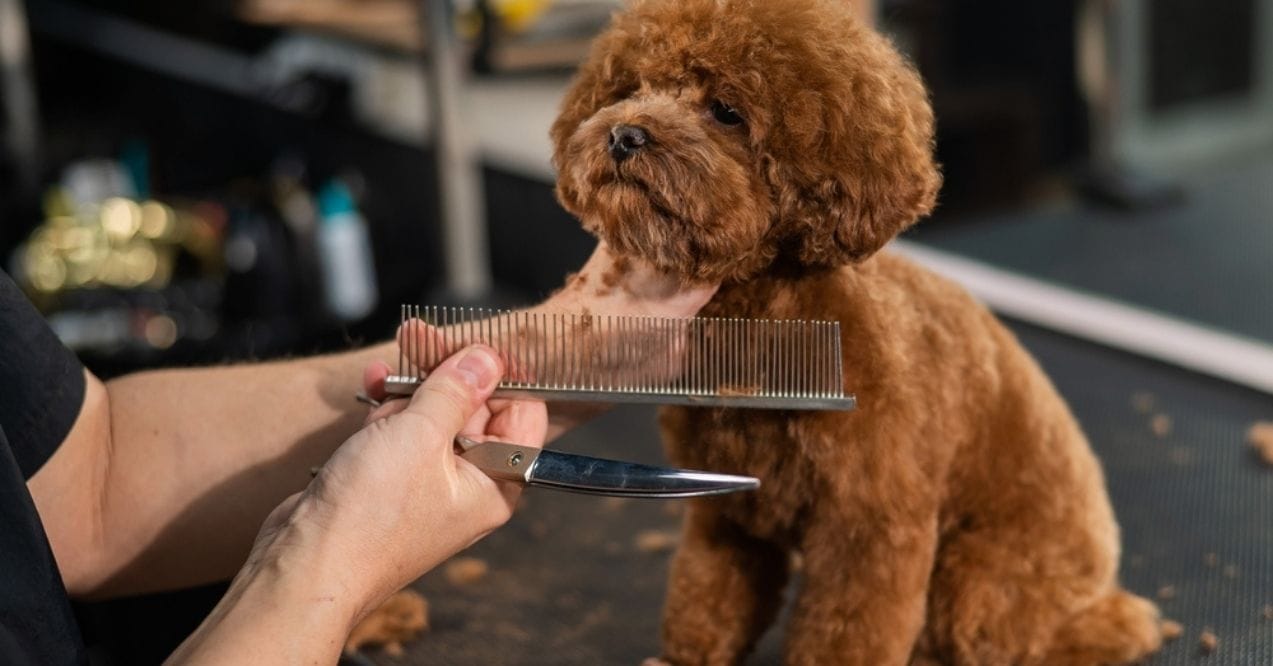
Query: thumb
456, 388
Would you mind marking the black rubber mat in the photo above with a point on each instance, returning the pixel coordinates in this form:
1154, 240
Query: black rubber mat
579, 580
1208, 259
1194, 501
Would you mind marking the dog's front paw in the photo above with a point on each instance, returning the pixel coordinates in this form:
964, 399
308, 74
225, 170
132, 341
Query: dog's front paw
656, 661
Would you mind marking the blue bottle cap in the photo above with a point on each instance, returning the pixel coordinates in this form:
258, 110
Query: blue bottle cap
335, 199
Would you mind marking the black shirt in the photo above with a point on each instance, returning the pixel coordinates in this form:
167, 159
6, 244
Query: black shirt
41, 391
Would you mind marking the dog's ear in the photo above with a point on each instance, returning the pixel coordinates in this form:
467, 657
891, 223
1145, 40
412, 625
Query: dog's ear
863, 170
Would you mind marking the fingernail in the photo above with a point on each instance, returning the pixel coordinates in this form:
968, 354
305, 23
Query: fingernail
479, 367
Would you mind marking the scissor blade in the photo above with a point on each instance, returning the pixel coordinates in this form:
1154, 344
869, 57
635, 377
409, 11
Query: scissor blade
598, 476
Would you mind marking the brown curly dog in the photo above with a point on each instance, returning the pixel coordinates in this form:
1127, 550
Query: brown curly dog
958, 515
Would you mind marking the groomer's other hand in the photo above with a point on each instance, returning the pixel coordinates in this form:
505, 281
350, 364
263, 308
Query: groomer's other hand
396, 500
610, 284
615, 285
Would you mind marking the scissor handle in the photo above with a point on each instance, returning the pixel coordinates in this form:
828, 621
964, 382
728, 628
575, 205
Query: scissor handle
499, 460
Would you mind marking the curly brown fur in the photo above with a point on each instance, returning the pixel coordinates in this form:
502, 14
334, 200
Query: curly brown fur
958, 516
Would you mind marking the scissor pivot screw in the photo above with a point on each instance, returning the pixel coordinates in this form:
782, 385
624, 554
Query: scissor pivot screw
515, 459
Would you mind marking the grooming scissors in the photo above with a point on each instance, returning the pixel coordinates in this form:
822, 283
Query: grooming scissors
572, 472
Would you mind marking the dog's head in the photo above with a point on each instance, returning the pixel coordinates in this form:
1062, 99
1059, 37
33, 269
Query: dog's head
713, 137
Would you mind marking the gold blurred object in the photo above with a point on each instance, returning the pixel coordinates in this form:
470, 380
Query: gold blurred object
118, 243
139, 261
120, 218
45, 271
156, 220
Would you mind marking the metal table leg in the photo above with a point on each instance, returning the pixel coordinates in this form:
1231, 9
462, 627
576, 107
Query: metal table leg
468, 273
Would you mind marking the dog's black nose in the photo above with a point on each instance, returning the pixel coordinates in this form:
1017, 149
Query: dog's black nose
625, 140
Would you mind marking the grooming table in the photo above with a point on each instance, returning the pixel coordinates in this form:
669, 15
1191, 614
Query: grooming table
1205, 260
570, 584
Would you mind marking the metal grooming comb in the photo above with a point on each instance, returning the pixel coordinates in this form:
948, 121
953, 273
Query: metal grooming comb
699, 362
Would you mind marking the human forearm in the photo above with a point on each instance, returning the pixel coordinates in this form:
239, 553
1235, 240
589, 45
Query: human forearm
199, 457
287, 605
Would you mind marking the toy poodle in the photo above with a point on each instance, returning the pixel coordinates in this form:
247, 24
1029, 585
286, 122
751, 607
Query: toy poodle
958, 515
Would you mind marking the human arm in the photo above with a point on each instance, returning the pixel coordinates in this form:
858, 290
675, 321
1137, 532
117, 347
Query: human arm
166, 476
393, 502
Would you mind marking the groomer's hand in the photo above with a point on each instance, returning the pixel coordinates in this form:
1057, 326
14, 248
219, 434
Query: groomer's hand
614, 285
394, 501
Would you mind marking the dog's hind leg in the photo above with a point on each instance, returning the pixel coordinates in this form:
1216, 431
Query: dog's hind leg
1006, 598
724, 590
1119, 628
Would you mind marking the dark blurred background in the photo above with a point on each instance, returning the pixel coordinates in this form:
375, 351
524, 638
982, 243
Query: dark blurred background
194, 183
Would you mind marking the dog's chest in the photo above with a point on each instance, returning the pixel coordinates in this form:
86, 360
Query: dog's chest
759, 443
747, 442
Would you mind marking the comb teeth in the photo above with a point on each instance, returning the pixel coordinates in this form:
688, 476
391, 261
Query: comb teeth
702, 361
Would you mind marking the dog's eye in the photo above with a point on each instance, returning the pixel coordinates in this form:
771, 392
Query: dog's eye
725, 114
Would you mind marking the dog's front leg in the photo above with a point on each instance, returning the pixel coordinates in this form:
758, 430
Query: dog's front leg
724, 589
864, 596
